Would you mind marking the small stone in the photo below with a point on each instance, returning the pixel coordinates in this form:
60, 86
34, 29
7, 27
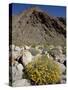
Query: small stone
27, 47
17, 48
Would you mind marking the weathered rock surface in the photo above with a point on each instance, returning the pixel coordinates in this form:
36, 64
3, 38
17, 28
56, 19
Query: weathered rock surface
22, 82
63, 81
17, 48
27, 57
57, 55
62, 67
17, 72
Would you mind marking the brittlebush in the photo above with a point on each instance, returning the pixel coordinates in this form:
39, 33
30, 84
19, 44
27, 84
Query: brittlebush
43, 71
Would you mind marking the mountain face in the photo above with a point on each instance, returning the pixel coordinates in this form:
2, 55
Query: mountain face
34, 26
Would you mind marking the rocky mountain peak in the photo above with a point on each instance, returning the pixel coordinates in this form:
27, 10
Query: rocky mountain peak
34, 26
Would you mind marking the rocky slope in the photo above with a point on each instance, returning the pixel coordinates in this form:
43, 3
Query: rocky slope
22, 56
34, 26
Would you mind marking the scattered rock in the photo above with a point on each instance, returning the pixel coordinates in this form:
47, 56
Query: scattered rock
22, 82
44, 51
62, 81
17, 48
51, 46
22, 48
60, 58
59, 48
17, 72
57, 55
62, 67
33, 51
27, 57
27, 47
20, 67
39, 47
16, 54
63, 77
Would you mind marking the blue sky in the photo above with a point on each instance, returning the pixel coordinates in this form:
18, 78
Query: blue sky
52, 10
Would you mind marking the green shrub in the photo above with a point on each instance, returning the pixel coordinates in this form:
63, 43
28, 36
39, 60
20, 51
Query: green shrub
33, 45
43, 71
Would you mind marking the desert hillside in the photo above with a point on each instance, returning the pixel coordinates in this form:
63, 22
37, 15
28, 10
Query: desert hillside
34, 26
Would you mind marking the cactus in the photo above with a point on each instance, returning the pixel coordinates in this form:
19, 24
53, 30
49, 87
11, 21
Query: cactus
43, 71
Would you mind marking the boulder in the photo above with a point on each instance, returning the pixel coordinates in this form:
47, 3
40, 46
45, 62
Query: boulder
55, 53
44, 51
27, 57
20, 67
60, 58
22, 48
17, 72
51, 46
63, 81
33, 51
63, 77
27, 47
22, 82
62, 67
59, 48
39, 47
17, 48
